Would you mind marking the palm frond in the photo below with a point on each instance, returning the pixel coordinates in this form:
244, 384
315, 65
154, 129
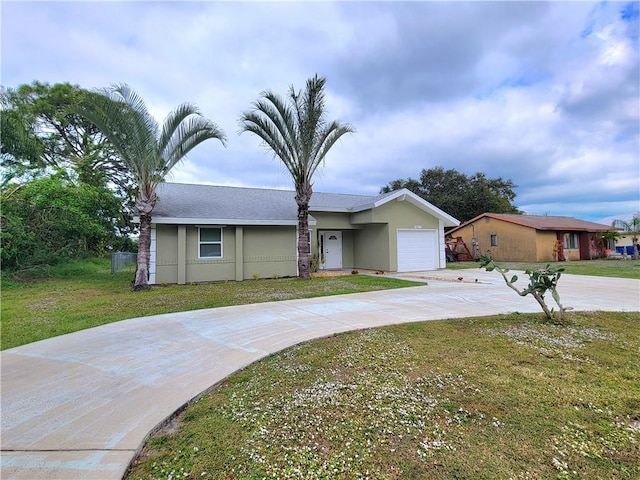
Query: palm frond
269, 134
272, 121
327, 139
295, 130
122, 92
282, 117
631, 226
187, 135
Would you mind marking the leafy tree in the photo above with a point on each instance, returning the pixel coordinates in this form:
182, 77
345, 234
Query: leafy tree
52, 218
608, 239
42, 136
65, 141
20, 149
295, 129
148, 151
460, 195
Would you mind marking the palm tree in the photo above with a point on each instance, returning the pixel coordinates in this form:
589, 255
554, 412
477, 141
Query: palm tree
632, 227
147, 151
297, 132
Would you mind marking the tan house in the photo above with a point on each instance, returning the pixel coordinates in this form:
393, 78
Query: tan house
531, 238
203, 233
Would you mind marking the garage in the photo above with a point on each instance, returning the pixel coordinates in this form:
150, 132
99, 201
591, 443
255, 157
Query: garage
417, 250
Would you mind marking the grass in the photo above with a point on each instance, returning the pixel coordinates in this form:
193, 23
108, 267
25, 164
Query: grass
599, 267
504, 397
85, 294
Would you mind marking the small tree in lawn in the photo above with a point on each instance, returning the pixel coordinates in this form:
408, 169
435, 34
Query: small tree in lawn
147, 151
297, 132
541, 281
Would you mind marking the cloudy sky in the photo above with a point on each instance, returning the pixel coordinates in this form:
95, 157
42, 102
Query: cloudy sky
543, 94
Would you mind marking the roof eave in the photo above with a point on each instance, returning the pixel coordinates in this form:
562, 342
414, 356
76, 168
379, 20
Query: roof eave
552, 228
330, 209
223, 221
407, 195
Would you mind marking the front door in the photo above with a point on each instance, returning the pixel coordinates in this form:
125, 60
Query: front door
332, 244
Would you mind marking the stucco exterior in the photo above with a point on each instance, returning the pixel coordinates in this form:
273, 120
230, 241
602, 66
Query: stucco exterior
372, 233
267, 251
245, 248
529, 238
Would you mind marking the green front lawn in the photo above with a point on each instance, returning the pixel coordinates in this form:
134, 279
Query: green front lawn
600, 267
502, 397
85, 294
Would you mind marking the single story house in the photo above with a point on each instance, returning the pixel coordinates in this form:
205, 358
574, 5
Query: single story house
531, 238
203, 233
625, 244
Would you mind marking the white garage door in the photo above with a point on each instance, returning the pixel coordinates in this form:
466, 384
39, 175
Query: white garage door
417, 250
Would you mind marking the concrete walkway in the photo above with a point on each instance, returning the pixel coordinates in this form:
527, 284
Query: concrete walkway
80, 405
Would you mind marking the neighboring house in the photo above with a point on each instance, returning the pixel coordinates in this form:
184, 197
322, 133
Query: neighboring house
531, 238
625, 239
624, 245
203, 233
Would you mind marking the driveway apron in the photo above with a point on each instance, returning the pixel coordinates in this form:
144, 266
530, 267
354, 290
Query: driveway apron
79, 406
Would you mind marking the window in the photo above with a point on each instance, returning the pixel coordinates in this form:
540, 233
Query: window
210, 243
570, 241
494, 240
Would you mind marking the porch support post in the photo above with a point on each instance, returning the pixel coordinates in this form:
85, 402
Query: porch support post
182, 254
442, 254
239, 254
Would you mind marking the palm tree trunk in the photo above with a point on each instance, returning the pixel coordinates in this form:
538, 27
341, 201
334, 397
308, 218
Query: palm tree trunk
303, 196
141, 280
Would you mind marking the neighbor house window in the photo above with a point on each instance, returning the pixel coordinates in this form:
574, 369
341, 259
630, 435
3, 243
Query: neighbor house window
494, 240
570, 241
210, 243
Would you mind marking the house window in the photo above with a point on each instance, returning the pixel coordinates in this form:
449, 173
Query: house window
570, 241
494, 240
210, 243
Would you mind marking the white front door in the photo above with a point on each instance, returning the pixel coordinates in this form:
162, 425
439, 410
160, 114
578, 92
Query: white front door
332, 244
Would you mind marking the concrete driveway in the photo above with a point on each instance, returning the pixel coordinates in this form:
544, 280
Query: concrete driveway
80, 405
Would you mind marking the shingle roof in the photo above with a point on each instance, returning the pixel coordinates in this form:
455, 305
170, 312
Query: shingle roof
543, 222
189, 203
238, 204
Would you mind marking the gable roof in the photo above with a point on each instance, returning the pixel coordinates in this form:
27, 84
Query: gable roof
183, 203
208, 204
542, 222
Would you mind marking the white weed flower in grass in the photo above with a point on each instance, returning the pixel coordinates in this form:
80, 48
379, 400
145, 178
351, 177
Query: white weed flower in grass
359, 407
552, 340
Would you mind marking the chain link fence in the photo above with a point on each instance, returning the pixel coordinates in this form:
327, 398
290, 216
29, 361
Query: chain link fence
121, 260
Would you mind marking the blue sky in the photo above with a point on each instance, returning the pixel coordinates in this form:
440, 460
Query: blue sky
544, 94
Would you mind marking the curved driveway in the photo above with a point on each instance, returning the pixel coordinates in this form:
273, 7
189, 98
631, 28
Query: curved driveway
80, 405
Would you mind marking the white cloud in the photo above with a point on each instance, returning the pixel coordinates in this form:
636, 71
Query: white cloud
544, 94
